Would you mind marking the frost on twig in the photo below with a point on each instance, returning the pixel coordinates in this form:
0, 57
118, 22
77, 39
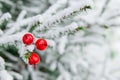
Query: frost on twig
8, 55
16, 75
32, 21
24, 22
11, 38
4, 75
104, 7
45, 19
4, 17
2, 64
60, 31
115, 13
52, 10
60, 16
21, 15
1, 32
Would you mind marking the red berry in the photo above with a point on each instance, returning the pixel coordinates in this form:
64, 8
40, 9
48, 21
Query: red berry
34, 58
28, 39
41, 44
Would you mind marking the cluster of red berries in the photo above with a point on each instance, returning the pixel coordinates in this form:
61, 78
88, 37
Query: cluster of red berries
41, 44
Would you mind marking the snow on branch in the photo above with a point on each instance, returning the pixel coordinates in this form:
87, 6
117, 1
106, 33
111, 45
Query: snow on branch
2, 64
55, 7
4, 75
16, 75
8, 55
21, 15
104, 6
29, 21
45, 20
8, 2
38, 18
113, 15
25, 22
1, 32
4, 17
67, 13
60, 31
11, 38
60, 16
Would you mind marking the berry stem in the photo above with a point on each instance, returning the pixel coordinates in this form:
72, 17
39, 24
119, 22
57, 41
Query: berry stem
34, 66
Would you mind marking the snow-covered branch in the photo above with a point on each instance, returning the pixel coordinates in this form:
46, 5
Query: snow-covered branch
52, 9
11, 38
8, 55
2, 63
24, 22
68, 12
28, 21
4, 75
21, 15
4, 17
104, 7
16, 75
115, 13
60, 31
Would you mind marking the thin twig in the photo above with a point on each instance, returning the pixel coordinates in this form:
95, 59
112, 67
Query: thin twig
104, 7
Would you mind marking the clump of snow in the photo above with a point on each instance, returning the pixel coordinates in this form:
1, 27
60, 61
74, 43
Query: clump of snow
2, 64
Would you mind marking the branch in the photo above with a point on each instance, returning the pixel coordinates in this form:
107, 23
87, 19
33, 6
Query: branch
113, 15
2, 63
29, 21
59, 4
59, 17
4, 75
16, 75
104, 7
5, 17
21, 15
26, 21
11, 38
1, 32
7, 2
60, 31
9, 55
33, 21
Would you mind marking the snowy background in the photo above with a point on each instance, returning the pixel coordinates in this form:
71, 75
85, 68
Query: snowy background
83, 38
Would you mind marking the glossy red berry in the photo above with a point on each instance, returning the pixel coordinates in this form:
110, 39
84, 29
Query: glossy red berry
34, 58
41, 44
28, 38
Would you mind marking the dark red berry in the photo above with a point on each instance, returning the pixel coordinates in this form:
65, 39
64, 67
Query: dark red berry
41, 44
28, 39
34, 58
